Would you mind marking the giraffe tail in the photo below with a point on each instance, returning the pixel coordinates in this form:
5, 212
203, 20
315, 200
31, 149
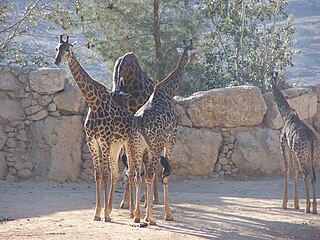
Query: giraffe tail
313, 170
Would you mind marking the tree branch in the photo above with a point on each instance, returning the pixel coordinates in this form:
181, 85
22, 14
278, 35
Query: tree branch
17, 24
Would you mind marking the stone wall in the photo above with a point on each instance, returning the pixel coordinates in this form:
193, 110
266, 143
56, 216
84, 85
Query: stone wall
221, 132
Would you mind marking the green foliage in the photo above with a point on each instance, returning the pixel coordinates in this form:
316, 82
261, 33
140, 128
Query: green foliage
18, 23
116, 27
248, 40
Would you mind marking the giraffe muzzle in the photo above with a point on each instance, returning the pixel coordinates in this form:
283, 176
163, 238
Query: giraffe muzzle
57, 61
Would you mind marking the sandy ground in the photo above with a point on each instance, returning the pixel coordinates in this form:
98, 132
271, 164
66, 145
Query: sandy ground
202, 208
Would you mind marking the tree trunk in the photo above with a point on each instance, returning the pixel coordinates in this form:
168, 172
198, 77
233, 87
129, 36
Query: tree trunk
157, 40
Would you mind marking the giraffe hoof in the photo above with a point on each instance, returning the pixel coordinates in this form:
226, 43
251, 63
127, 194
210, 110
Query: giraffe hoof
136, 220
107, 219
168, 218
124, 205
152, 223
96, 218
131, 215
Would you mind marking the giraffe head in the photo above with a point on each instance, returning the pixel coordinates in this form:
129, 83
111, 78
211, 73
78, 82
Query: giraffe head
188, 53
274, 79
63, 49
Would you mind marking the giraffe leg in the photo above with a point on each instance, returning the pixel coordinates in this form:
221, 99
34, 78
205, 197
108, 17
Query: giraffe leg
314, 201
138, 181
286, 156
105, 190
308, 203
295, 179
130, 167
114, 153
149, 177
125, 199
155, 190
167, 211
315, 161
165, 177
94, 150
131, 200
134, 164
149, 216
126, 196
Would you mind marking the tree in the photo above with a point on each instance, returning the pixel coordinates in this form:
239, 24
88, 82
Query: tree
19, 22
248, 40
153, 30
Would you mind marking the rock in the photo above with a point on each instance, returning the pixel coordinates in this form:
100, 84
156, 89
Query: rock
85, 149
304, 101
47, 80
33, 109
35, 95
218, 167
10, 110
11, 142
12, 171
3, 166
257, 152
87, 175
9, 82
2, 137
305, 105
67, 107
223, 161
195, 152
22, 135
38, 116
24, 173
87, 164
184, 121
86, 156
315, 124
26, 102
52, 107
55, 148
228, 107
178, 110
272, 118
227, 168
44, 100
224, 149
23, 164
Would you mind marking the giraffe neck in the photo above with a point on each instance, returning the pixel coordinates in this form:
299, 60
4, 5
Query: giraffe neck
170, 84
91, 89
283, 105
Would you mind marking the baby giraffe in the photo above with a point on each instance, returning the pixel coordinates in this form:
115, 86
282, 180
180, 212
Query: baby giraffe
154, 129
107, 126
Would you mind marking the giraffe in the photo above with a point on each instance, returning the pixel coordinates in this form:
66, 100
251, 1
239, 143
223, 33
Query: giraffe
154, 128
300, 144
128, 77
107, 125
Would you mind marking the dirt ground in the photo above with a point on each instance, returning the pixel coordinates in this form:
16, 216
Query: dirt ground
202, 209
